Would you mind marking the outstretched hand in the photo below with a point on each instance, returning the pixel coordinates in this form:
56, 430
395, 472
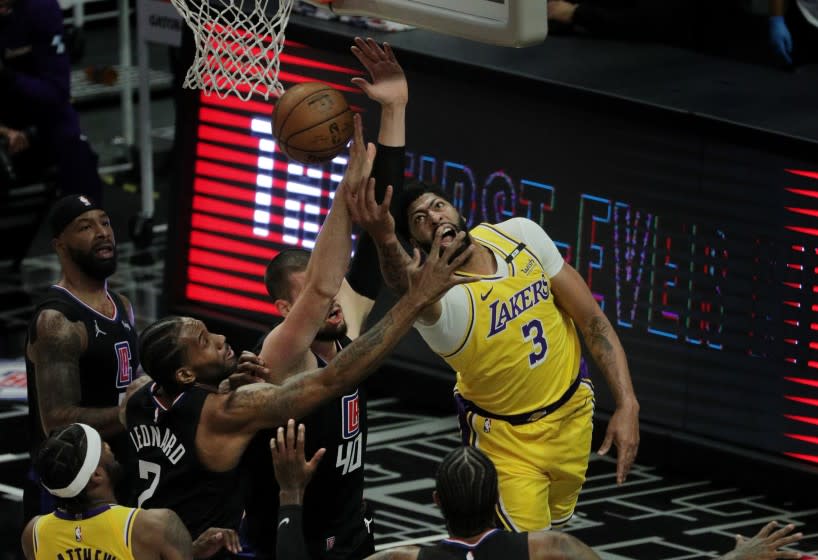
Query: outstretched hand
429, 281
388, 85
765, 545
293, 472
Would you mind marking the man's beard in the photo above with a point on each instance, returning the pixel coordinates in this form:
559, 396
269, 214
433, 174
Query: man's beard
90, 265
329, 333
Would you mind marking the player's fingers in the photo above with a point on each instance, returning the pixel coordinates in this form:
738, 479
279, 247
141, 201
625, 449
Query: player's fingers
371, 203
231, 541
365, 46
281, 447
767, 529
363, 84
290, 435
606, 444
358, 130
623, 467
783, 531
387, 198
415, 258
456, 262
274, 449
371, 152
434, 251
317, 458
390, 54
299, 441
375, 48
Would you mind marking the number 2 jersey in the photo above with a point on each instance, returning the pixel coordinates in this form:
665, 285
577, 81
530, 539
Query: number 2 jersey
170, 474
335, 525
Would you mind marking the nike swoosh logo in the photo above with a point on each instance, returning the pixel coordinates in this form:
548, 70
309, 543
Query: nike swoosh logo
285, 521
484, 296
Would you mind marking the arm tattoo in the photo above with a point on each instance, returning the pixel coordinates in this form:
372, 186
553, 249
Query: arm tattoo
365, 344
394, 261
56, 354
177, 536
596, 337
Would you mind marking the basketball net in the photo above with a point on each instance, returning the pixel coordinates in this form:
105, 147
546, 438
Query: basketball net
237, 46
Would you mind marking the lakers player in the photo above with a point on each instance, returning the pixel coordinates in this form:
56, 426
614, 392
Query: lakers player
511, 336
79, 470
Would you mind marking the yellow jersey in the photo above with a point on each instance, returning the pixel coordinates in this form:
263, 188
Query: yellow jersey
103, 533
520, 351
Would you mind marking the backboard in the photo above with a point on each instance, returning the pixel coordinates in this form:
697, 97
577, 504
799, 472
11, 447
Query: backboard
511, 23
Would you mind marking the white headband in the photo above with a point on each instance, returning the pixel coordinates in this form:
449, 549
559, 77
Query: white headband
93, 451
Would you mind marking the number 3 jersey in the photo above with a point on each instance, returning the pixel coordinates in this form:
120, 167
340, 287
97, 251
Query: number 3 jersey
169, 473
513, 349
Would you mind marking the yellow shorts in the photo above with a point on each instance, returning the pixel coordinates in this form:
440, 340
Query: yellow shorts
540, 466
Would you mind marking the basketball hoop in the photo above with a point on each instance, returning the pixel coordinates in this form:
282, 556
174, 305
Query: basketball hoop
238, 43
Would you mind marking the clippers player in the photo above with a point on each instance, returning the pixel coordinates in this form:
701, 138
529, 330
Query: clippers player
81, 352
338, 524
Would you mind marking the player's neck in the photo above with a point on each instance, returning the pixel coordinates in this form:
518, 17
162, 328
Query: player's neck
91, 292
81, 284
325, 349
482, 261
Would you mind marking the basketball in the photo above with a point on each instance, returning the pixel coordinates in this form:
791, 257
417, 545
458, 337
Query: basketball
312, 122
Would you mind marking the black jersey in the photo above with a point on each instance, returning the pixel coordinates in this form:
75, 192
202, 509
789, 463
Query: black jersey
335, 523
494, 544
170, 473
106, 367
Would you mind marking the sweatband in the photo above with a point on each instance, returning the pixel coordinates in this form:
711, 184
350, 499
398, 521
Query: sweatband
93, 452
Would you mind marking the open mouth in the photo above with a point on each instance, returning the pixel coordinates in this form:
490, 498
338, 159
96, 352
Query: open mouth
104, 251
334, 317
448, 234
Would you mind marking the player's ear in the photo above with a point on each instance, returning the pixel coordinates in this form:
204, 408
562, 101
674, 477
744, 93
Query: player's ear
283, 306
436, 498
184, 376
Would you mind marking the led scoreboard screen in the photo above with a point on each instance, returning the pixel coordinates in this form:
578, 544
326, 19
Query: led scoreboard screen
701, 245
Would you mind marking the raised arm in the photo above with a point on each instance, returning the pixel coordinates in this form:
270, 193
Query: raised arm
285, 346
386, 86
293, 473
55, 351
573, 295
253, 407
